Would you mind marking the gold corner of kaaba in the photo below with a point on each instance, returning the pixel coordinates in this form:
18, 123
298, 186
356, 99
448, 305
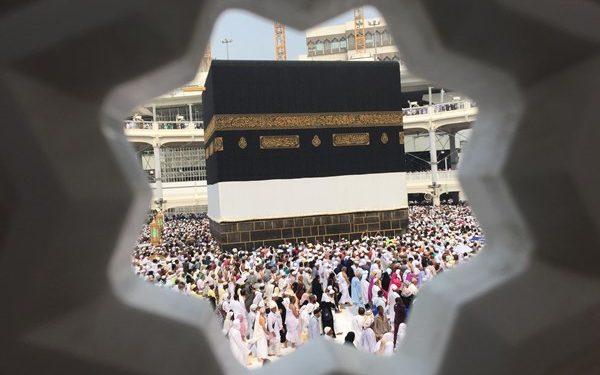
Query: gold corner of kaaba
218, 142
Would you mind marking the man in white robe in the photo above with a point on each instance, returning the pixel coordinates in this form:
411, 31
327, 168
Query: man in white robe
392, 295
357, 326
401, 334
259, 336
269, 288
258, 296
274, 326
239, 312
238, 346
314, 325
369, 341
385, 346
364, 287
357, 300
251, 319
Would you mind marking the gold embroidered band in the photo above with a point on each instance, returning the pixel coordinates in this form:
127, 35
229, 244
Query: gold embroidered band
351, 139
276, 121
279, 141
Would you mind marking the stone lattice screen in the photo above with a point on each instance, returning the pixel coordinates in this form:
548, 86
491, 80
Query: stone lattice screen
72, 196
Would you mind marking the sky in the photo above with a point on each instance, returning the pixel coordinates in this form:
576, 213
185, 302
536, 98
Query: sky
252, 36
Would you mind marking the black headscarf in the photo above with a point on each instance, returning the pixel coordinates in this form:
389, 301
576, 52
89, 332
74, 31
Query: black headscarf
385, 281
349, 339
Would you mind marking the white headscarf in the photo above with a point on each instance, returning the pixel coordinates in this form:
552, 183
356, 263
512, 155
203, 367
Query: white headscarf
385, 346
392, 295
237, 345
368, 341
227, 323
401, 333
326, 297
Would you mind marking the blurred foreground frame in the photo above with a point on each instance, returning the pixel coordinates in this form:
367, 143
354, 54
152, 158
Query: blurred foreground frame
73, 198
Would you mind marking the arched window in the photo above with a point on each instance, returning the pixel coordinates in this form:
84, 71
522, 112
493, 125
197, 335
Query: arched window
343, 45
319, 48
327, 47
385, 38
369, 39
311, 48
335, 45
350, 42
378, 38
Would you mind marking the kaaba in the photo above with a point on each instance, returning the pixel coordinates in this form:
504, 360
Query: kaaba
303, 151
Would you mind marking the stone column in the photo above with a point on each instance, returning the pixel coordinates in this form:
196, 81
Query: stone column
157, 173
453, 151
434, 167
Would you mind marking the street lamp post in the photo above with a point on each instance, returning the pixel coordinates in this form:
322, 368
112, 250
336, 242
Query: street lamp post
226, 42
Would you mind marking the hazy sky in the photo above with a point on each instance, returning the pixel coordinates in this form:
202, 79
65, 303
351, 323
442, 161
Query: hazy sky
253, 35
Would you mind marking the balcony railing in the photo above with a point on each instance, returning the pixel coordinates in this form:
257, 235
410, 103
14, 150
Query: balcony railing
437, 108
426, 176
164, 125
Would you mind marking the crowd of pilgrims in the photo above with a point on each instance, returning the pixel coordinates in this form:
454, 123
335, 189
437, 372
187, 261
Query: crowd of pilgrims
268, 298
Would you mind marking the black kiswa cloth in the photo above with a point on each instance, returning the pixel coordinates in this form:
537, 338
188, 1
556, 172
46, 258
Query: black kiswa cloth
255, 87
242, 97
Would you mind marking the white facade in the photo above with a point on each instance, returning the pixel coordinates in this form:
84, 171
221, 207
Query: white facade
336, 43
